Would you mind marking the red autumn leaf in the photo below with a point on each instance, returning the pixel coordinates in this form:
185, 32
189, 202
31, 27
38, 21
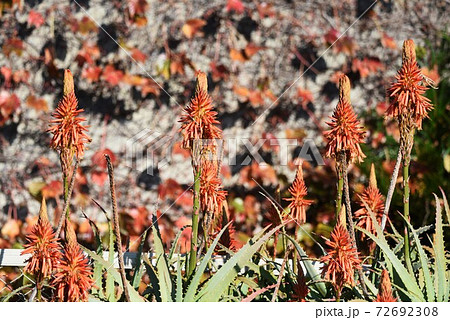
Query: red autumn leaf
193, 27
99, 177
345, 44
271, 142
256, 98
151, 87
245, 54
170, 189
366, 66
134, 80
378, 138
54, 189
235, 5
270, 95
219, 71
140, 219
99, 161
13, 45
264, 174
11, 229
237, 55
88, 54
9, 103
35, 19
388, 42
305, 96
178, 149
265, 10
7, 74
140, 21
138, 55
86, 25
331, 36
81, 178
225, 171
251, 49
112, 75
137, 7
381, 108
91, 73
298, 134
37, 103
50, 63
21, 76
177, 66
185, 201
241, 91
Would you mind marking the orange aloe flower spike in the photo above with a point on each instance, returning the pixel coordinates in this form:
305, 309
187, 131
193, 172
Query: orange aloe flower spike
346, 133
372, 196
407, 93
44, 247
341, 260
74, 278
212, 194
69, 134
199, 121
298, 203
385, 289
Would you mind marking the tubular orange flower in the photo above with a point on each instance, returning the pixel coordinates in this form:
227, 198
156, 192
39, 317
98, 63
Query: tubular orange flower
346, 133
69, 135
407, 92
298, 203
300, 289
385, 289
74, 279
199, 121
374, 200
341, 260
212, 194
44, 247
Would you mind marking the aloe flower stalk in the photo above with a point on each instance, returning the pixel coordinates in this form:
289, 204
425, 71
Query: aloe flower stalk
200, 133
341, 260
44, 247
69, 135
74, 278
409, 106
344, 139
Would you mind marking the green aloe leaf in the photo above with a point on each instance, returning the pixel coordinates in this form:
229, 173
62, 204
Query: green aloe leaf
134, 295
139, 268
414, 292
219, 282
165, 281
193, 286
424, 263
310, 270
440, 263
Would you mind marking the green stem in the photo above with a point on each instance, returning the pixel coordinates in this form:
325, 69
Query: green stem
406, 213
195, 214
39, 281
39, 294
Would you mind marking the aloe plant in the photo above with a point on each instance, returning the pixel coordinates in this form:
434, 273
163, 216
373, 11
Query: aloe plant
429, 279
